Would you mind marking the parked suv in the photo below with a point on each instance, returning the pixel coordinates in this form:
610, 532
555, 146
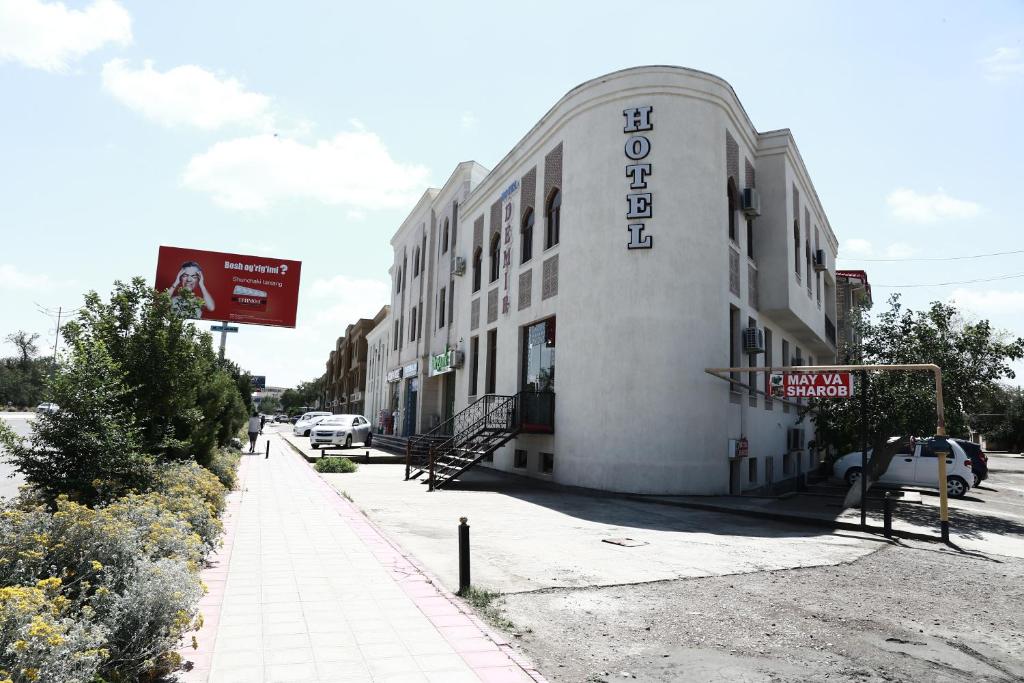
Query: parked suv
916, 465
979, 459
340, 430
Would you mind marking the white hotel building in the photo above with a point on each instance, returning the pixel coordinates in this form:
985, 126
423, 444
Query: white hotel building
639, 229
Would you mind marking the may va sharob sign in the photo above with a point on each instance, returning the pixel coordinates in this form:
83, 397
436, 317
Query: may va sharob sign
639, 205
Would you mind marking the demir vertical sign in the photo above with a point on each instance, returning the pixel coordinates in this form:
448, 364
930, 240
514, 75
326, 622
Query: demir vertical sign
638, 204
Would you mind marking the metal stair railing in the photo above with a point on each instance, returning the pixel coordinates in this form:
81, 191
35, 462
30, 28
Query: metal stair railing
495, 419
418, 449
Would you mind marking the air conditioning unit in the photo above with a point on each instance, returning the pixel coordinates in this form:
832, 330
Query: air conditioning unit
794, 439
751, 202
819, 260
460, 266
753, 340
458, 358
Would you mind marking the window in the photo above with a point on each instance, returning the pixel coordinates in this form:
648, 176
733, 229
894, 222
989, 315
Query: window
412, 324
751, 470
474, 364
444, 238
492, 361
785, 363
796, 247
451, 303
539, 356
495, 256
734, 346
547, 463
397, 336
730, 196
787, 464
553, 219
398, 281
767, 363
419, 330
401, 331
477, 267
807, 253
404, 269
416, 262
520, 459
750, 239
440, 308
527, 236
752, 376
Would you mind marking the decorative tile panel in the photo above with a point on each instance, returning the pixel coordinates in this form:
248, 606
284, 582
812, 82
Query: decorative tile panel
492, 306
549, 279
474, 314
525, 289
734, 272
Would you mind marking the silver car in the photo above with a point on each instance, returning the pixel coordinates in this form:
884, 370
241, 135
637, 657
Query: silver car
341, 430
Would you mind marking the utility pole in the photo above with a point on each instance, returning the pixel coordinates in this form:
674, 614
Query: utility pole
56, 338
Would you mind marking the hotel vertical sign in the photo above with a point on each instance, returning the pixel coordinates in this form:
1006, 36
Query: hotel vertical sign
508, 212
639, 204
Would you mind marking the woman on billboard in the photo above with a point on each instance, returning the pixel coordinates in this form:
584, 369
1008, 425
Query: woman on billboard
190, 279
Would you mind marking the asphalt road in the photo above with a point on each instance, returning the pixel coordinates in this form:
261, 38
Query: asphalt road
22, 424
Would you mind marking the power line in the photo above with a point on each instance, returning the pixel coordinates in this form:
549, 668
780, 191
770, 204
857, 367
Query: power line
932, 258
957, 282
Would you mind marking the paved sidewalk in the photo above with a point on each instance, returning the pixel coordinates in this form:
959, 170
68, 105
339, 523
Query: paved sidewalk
307, 589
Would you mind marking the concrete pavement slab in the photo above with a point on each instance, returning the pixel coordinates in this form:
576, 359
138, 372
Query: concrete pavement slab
306, 588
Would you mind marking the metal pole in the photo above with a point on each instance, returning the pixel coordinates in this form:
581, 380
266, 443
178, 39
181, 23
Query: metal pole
430, 479
887, 515
463, 556
56, 339
268, 450
864, 449
223, 338
940, 430
408, 450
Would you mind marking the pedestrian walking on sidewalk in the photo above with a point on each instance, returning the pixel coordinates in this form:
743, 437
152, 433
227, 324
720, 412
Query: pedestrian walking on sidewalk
263, 421
254, 431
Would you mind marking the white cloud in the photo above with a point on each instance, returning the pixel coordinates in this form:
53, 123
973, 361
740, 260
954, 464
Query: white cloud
916, 207
996, 303
50, 36
186, 95
375, 292
13, 278
900, 250
857, 247
249, 247
1004, 63
469, 120
356, 216
353, 169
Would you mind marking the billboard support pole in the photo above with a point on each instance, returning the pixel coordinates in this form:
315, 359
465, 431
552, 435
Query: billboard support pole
223, 338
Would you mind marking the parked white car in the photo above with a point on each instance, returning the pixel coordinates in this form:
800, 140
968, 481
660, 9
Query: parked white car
306, 422
47, 408
341, 430
916, 465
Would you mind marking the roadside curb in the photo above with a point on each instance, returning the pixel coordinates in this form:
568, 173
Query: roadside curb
402, 577
792, 519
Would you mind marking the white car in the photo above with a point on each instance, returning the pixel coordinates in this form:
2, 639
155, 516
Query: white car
306, 422
47, 408
916, 465
341, 430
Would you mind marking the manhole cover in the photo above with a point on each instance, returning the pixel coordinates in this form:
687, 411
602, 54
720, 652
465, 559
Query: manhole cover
628, 542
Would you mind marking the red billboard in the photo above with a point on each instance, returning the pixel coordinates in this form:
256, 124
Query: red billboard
245, 289
815, 385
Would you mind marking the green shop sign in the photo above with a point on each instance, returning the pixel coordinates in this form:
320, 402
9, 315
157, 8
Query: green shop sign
442, 362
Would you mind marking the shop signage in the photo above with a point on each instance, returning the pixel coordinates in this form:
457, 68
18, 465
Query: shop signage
508, 212
639, 205
742, 448
510, 190
442, 363
394, 375
813, 384
411, 370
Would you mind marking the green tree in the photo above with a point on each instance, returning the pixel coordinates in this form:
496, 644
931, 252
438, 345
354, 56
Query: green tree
90, 448
1002, 421
177, 388
23, 376
973, 358
306, 394
270, 405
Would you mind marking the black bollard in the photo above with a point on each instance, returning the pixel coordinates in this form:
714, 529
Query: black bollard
267, 457
887, 505
463, 556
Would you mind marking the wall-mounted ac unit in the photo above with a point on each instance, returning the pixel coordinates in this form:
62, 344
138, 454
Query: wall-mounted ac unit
460, 266
751, 202
794, 439
819, 260
458, 358
753, 340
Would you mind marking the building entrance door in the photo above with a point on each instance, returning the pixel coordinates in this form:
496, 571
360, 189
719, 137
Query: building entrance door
449, 400
409, 413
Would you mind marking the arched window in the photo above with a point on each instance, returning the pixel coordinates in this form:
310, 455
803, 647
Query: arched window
444, 238
398, 281
495, 255
796, 246
553, 219
478, 257
527, 236
416, 262
730, 193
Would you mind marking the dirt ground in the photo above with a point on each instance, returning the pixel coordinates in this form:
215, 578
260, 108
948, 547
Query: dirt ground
908, 612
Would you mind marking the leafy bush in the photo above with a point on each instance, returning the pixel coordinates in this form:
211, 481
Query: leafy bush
335, 465
224, 464
40, 642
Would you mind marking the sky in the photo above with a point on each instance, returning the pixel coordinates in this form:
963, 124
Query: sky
307, 131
